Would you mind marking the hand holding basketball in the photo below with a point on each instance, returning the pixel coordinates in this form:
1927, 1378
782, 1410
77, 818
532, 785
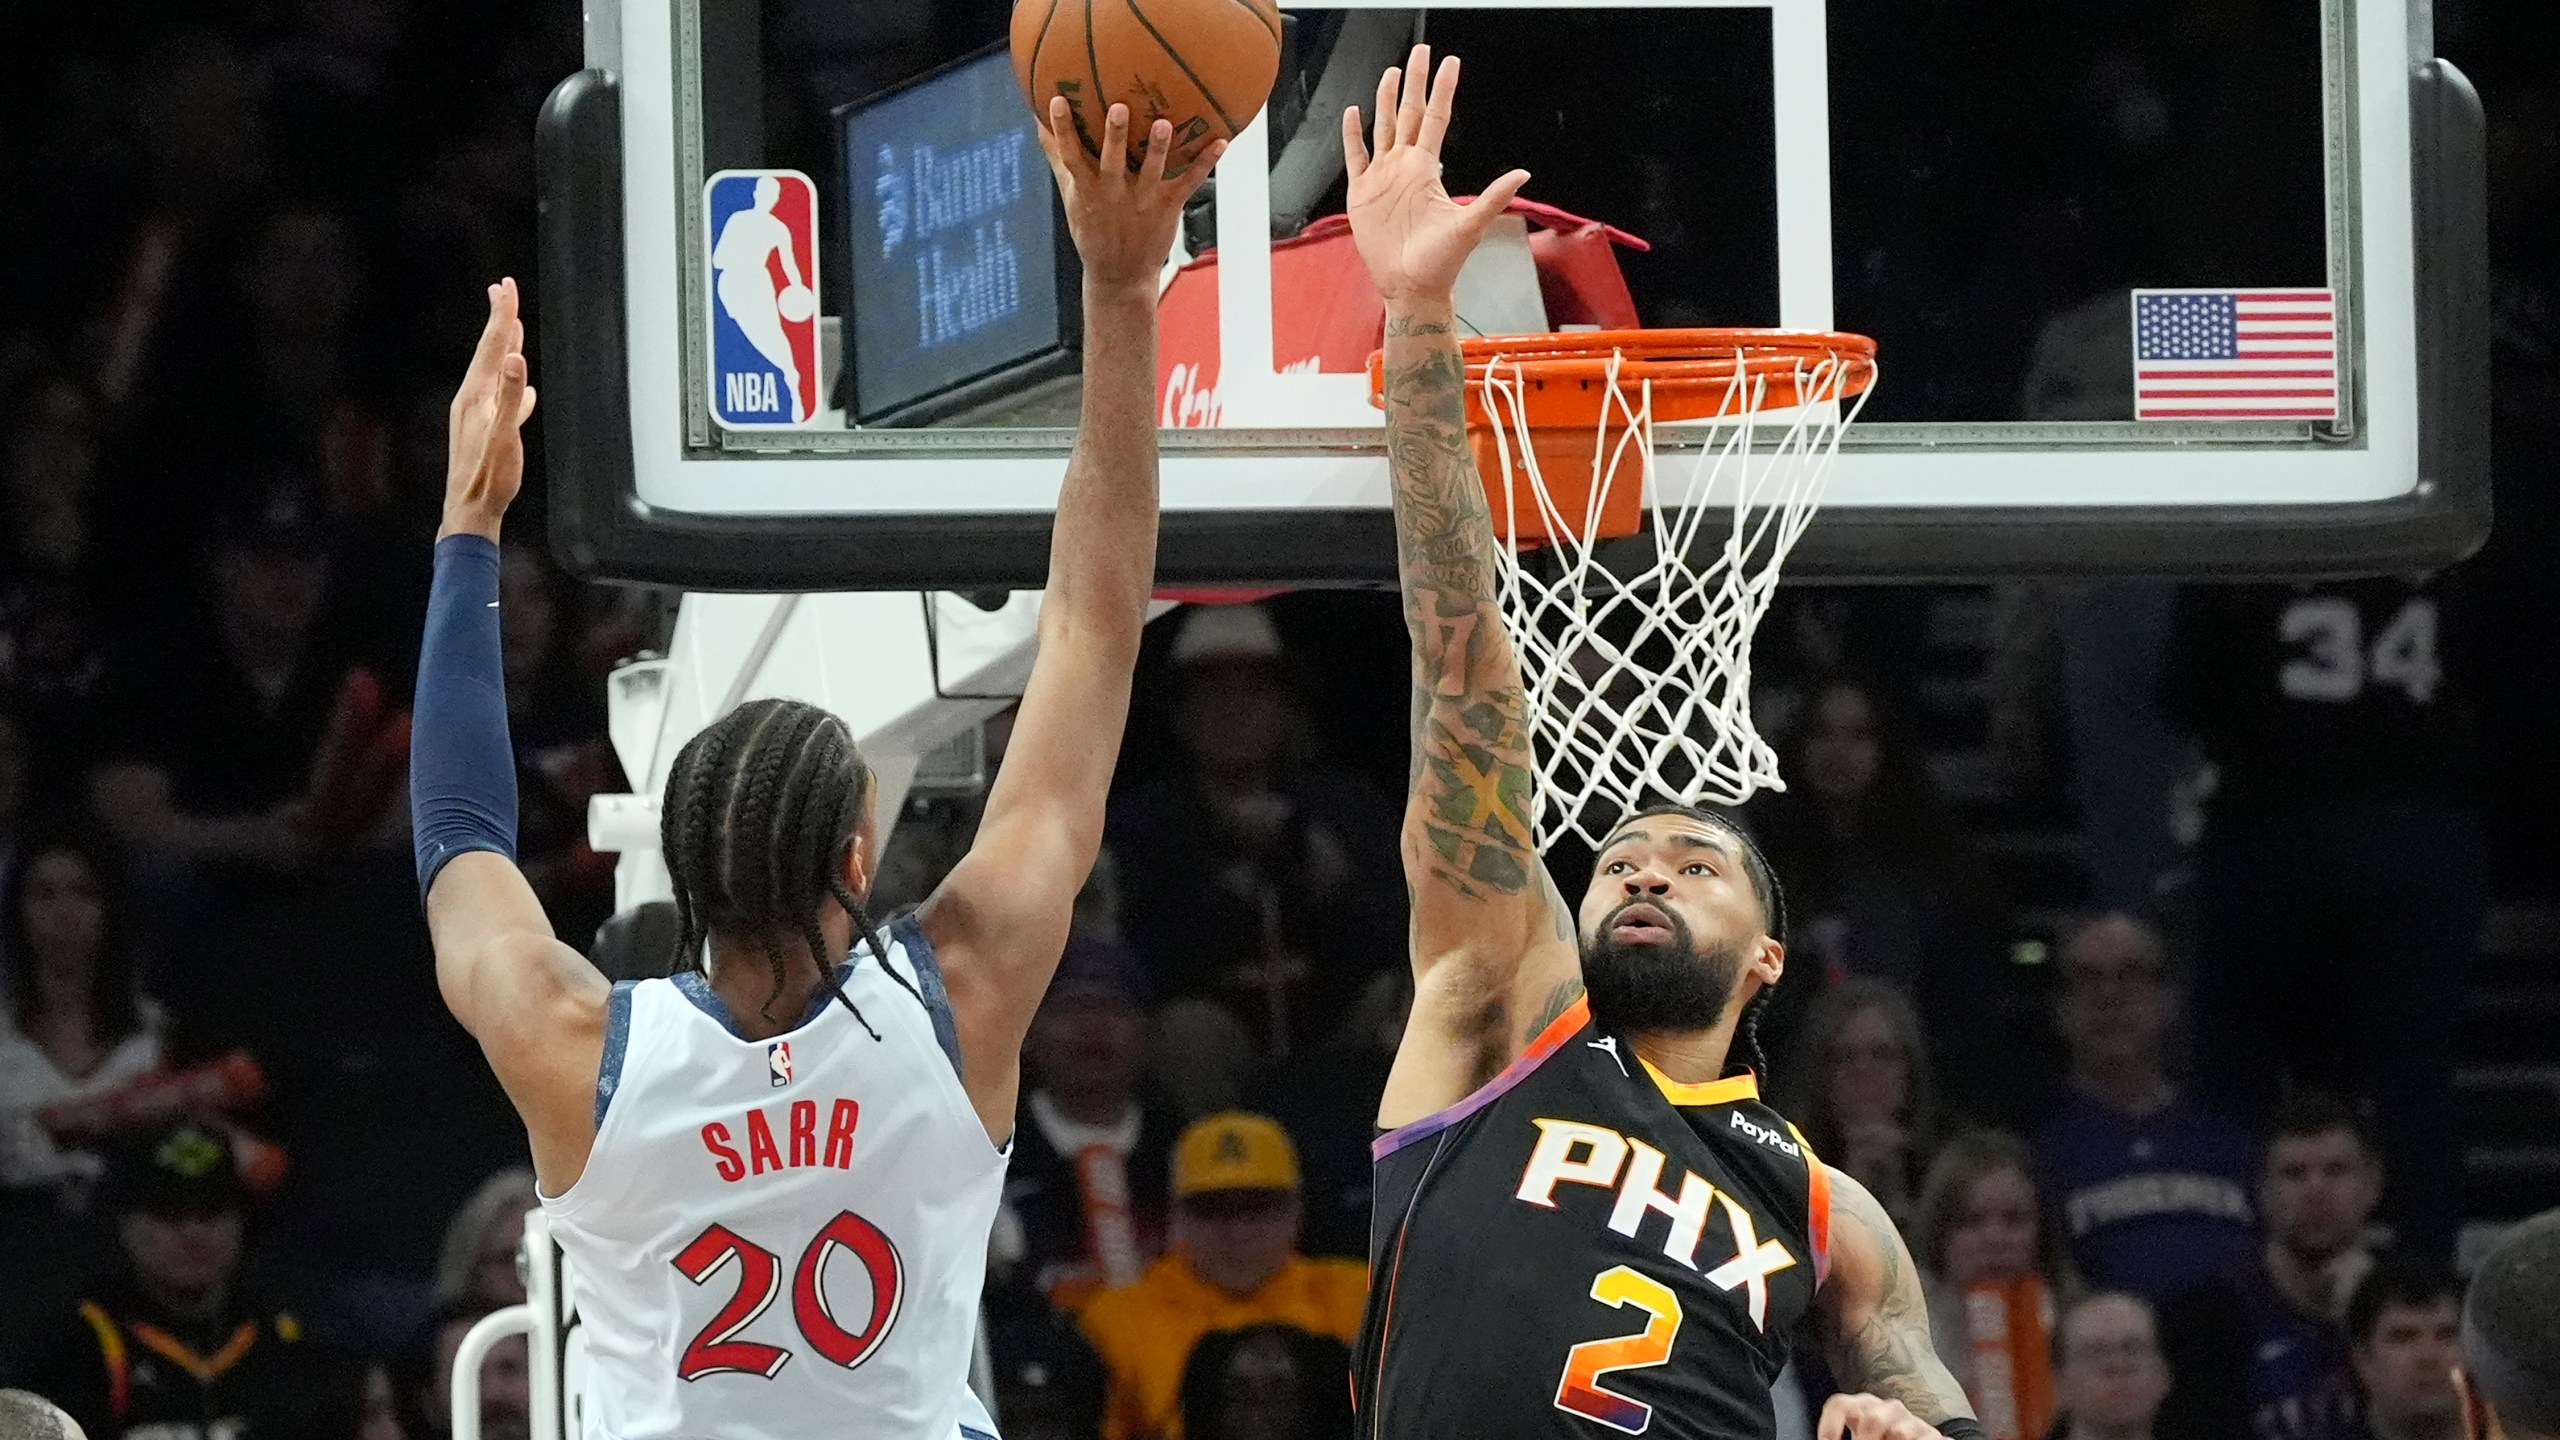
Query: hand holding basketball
484, 456
1413, 237
1123, 216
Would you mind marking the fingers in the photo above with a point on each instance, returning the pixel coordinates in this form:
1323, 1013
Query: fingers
1191, 179
1435, 114
1355, 152
511, 410
1417, 82
1159, 151
1390, 88
493, 336
1488, 207
1115, 141
1834, 1424
1064, 142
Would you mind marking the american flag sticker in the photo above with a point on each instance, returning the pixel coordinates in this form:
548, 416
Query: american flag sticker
2235, 355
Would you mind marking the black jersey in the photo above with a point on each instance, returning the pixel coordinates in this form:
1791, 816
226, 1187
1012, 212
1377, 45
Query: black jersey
1585, 1247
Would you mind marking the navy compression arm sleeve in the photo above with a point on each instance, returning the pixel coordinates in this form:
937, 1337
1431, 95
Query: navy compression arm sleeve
462, 768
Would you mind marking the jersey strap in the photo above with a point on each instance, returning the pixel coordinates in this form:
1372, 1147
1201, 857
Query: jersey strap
1817, 1206
617, 1038
910, 937
1549, 1041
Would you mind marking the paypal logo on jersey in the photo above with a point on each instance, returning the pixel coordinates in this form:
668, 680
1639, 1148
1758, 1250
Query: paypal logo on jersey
763, 252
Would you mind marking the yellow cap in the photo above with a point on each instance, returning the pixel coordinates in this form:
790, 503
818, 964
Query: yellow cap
1234, 1151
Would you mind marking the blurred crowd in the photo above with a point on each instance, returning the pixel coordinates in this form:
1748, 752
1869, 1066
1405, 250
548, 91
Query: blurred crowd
2170, 1137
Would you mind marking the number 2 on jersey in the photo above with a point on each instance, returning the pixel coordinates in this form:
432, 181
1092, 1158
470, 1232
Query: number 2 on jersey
716, 1348
1580, 1391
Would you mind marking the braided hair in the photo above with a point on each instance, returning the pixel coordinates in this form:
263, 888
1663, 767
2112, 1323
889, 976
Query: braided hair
1773, 912
758, 811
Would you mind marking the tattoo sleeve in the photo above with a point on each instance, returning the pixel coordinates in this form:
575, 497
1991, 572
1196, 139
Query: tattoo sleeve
1874, 1323
1471, 776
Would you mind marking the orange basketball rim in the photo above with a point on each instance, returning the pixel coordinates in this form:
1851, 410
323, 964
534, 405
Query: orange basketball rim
1565, 391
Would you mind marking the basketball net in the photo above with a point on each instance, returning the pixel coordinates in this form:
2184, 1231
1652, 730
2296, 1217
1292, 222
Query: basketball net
1637, 667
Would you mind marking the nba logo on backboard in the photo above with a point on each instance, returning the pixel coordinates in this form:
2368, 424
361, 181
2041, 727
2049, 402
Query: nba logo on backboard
763, 249
777, 1058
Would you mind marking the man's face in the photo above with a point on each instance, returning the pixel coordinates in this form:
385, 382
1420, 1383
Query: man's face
1088, 1042
1868, 1075
2111, 1376
1237, 1239
186, 1256
1994, 1237
2319, 1192
2407, 1367
506, 1394
2115, 995
1841, 753
1671, 928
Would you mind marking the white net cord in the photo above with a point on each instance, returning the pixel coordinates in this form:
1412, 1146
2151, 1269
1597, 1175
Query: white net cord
1639, 678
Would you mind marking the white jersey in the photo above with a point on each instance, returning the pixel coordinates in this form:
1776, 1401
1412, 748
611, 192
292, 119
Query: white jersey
783, 1239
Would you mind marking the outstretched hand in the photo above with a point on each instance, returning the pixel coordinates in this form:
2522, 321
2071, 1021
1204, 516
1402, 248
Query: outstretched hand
1412, 236
1123, 216
484, 431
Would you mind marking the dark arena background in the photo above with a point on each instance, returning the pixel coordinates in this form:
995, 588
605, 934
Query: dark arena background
2108, 973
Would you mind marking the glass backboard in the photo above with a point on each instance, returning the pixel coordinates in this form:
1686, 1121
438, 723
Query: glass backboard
2190, 287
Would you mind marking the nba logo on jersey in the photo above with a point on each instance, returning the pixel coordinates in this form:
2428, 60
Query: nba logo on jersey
777, 1058
763, 234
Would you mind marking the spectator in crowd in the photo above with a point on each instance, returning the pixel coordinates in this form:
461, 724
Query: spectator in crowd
1327, 1099
2262, 1351
2152, 1187
2343, 854
555, 716
1881, 881
2510, 1376
1861, 1089
2404, 1327
1266, 1382
506, 1396
2108, 1375
1259, 885
173, 1344
223, 728
53, 586
77, 1026
1049, 1384
1996, 1277
1233, 1262
477, 1263
1091, 1152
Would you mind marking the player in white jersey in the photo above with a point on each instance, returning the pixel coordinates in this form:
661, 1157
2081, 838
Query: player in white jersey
775, 1172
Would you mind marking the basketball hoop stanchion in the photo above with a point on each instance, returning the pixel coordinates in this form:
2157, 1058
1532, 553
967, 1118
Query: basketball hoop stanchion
1637, 664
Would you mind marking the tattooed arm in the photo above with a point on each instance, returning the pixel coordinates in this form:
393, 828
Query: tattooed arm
1492, 944
1873, 1318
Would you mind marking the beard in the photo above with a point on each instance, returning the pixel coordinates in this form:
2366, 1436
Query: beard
1658, 987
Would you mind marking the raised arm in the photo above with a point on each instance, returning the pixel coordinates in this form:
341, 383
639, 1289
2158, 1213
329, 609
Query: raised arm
1493, 945
535, 1005
1873, 1318
1000, 919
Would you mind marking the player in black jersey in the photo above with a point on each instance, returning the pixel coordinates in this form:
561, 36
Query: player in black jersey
1583, 1224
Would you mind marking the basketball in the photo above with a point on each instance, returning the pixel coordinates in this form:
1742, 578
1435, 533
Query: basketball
797, 303
1205, 65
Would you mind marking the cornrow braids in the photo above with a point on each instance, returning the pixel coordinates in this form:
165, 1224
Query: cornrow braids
758, 811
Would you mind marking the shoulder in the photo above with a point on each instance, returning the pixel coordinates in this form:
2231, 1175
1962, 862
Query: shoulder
1125, 1311
1336, 1284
